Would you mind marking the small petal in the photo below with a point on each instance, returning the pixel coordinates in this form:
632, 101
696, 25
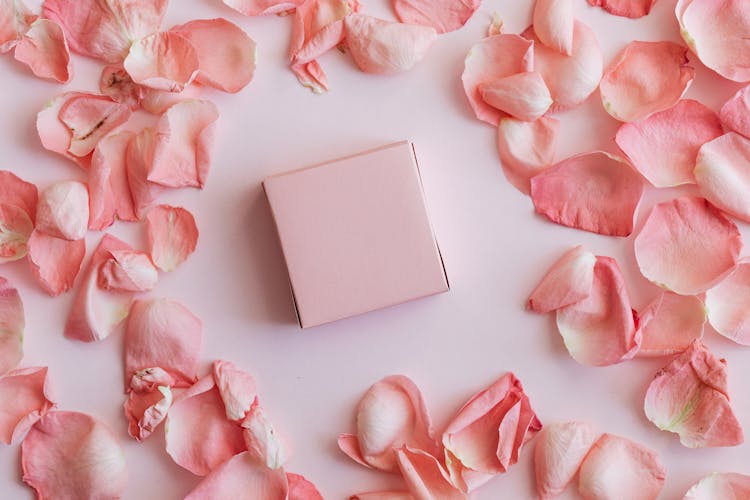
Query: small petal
172, 236
735, 113
524, 95
128, 271
727, 305
526, 148
425, 476
44, 49
301, 489
63, 210
149, 379
568, 281
560, 450
443, 15
55, 262
15, 19
162, 61
261, 440
24, 399
690, 397
109, 191
721, 171
138, 160
625, 8
55, 136
15, 191
117, 84
12, 324
554, 22
262, 7
727, 485
88, 118
237, 389
241, 478
15, 230
146, 410
703, 245
670, 324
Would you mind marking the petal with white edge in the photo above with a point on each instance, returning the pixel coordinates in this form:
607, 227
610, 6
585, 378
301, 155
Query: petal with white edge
569, 280
554, 22
63, 210
237, 389
726, 485
526, 148
24, 399
559, 452
524, 95
172, 236
55, 262
162, 61
128, 271
727, 305
45, 51
721, 171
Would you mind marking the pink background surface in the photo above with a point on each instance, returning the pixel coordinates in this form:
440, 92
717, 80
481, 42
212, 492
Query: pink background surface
452, 345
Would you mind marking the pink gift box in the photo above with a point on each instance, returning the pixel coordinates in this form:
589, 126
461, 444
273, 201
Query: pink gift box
355, 234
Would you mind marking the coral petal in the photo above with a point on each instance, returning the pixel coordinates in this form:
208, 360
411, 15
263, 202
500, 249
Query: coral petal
157, 102
262, 7
128, 271
138, 159
301, 489
117, 84
12, 324
172, 236
554, 22
728, 485
425, 477
109, 191
722, 174
63, 210
24, 399
560, 450
162, 61
88, 118
625, 8
43, 49
443, 15
727, 305
55, 262
241, 478
569, 280
524, 95
735, 113
237, 389
526, 148
146, 410
15, 19
670, 324
15, 191
16, 228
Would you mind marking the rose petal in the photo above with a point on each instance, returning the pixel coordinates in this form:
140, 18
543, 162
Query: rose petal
15, 230
261, 440
616, 465
105, 30
664, 146
138, 159
117, 84
735, 113
172, 236
237, 389
625, 8
241, 478
15, 19
382, 495
55, 262
493, 58
560, 450
24, 399
554, 22
72, 455
53, 133
720, 485
149, 379
16, 191
721, 173
146, 410
166, 334
524, 95
44, 49
526, 148
128, 271
200, 438
425, 477
301, 489
444, 15
89, 118
568, 281
595, 192
726, 304
262, 7
226, 54
109, 191
670, 324
162, 61
157, 102
703, 245
690, 397
486, 436
12, 324
63, 210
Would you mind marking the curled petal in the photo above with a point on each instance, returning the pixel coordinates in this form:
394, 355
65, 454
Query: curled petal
720, 485
595, 192
12, 324
554, 22
24, 399
301, 489
53, 133
560, 450
237, 389
524, 95
703, 245
444, 15
670, 324
425, 476
262, 7
63, 210
727, 305
625, 8
15, 230
241, 477
664, 146
44, 49
735, 113
128, 271
16, 191
88, 118
616, 465
722, 174
526, 148
493, 58
55, 262
146, 410
172, 236
117, 84
261, 439
149, 379
600, 329
226, 54
109, 191
568, 281
15, 19
72, 455
690, 397
162, 61
139, 157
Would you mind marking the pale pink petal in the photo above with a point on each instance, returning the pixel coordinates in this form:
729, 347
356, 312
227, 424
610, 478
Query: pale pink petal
200, 438
72, 455
718, 31
16, 191
722, 174
570, 79
496, 25
625, 8
53, 133
600, 329
664, 146
554, 22
138, 159
727, 485
486, 436
24, 398
241, 478
617, 467
443, 15
149, 379
105, 30
703, 245
226, 54
560, 449
183, 143
524, 95
88, 118
690, 397
157, 102
128, 271
97, 313
172, 236
55, 262
262, 7
382, 495
569, 280
670, 323
117, 84
109, 191
261, 439
162, 61
12, 324
526, 148
166, 334
304, 62
728, 305
493, 58
425, 476
237, 389
43, 49
15, 230
301, 489
63, 210
595, 192
15, 19
644, 78
146, 410
735, 113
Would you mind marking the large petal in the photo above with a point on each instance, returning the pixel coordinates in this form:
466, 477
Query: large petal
139, 158
443, 15
735, 113
728, 305
262, 7
237, 389
109, 191
128, 271
15, 230
15, 19
554, 22
146, 410
664, 146
162, 61
526, 148
670, 323
722, 173
241, 478
524, 95
55, 262
625, 8
569, 280
63, 210
690, 397
12, 324
560, 450
425, 477
24, 399
701, 245
87, 118
727, 485
72, 455
18, 192
595, 192
44, 49
172, 236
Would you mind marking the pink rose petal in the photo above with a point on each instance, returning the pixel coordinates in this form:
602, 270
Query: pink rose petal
690, 397
43, 49
88, 118
486, 436
722, 174
12, 324
425, 476
146, 410
162, 61
568, 281
703, 245
149, 379
493, 58
727, 305
617, 467
117, 84
226, 54
240, 477
526, 148
15, 230
55, 262
24, 399
625, 8
109, 191
138, 159
443, 15
301, 489
63, 210
16, 191
157, 102
735, 113
261, 440
72, 455
172, 236
670, 323
554, 23
720, 485
594, 191
15, 19
54, 135
262, 7
524, 95
237, 389
128, 271
560, 450
600, 329
664, 146
382, 495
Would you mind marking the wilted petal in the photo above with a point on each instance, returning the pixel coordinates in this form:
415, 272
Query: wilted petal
53, 133
301, 489
237, 389
162, 61
109, 191
670, 323
616, 466
15, 19
63, 210
526, 148
524, 95
149, 379
88, 118
146, 410
128, 271
425, 477
595, 192
727, 485
560, 449
664, 146
443, 15
554, 22
701, 245
138, 159
16, 191
735, 113
262, 7
43, 49
625, 8
117, 84
728, 305
690, 397
261, 439
241, 478
12, 324
722, 173
55, 262
72, 455
172, 236
24, 398
569, 280
15, 230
